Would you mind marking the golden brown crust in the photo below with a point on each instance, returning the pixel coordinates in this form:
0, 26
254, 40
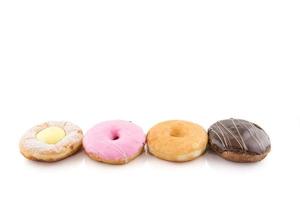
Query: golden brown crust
115, 162
33, 149
51, 157
175, 160
242, 157
177, 140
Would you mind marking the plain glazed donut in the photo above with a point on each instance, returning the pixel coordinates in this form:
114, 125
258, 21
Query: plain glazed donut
177, 140
114, 142
51, 141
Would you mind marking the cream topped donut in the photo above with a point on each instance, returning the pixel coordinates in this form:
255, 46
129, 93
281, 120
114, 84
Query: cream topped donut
114, 142
51, 141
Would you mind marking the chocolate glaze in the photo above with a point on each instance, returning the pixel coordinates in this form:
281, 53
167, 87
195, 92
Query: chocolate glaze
238, 136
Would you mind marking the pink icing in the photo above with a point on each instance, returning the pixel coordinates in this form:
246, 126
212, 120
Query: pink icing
114, 140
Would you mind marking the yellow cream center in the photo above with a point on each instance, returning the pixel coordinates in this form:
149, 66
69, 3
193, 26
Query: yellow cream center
51, 135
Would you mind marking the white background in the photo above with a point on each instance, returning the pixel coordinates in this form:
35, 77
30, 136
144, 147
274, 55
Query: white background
149, 61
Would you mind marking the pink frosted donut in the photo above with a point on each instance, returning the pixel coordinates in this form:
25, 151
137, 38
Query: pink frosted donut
114, 142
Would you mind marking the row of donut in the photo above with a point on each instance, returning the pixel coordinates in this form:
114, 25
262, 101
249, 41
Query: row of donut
119, 142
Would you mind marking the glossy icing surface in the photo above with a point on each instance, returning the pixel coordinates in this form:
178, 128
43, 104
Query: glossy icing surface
238, 135
114, 140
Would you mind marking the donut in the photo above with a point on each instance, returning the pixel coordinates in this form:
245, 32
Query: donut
177, 140
239, 140
51, 141
114, 142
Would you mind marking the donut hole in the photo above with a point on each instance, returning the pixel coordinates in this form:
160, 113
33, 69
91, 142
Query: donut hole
115, 135
177, 133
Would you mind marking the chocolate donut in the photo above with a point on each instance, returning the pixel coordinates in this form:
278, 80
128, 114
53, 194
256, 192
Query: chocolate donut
239, 140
